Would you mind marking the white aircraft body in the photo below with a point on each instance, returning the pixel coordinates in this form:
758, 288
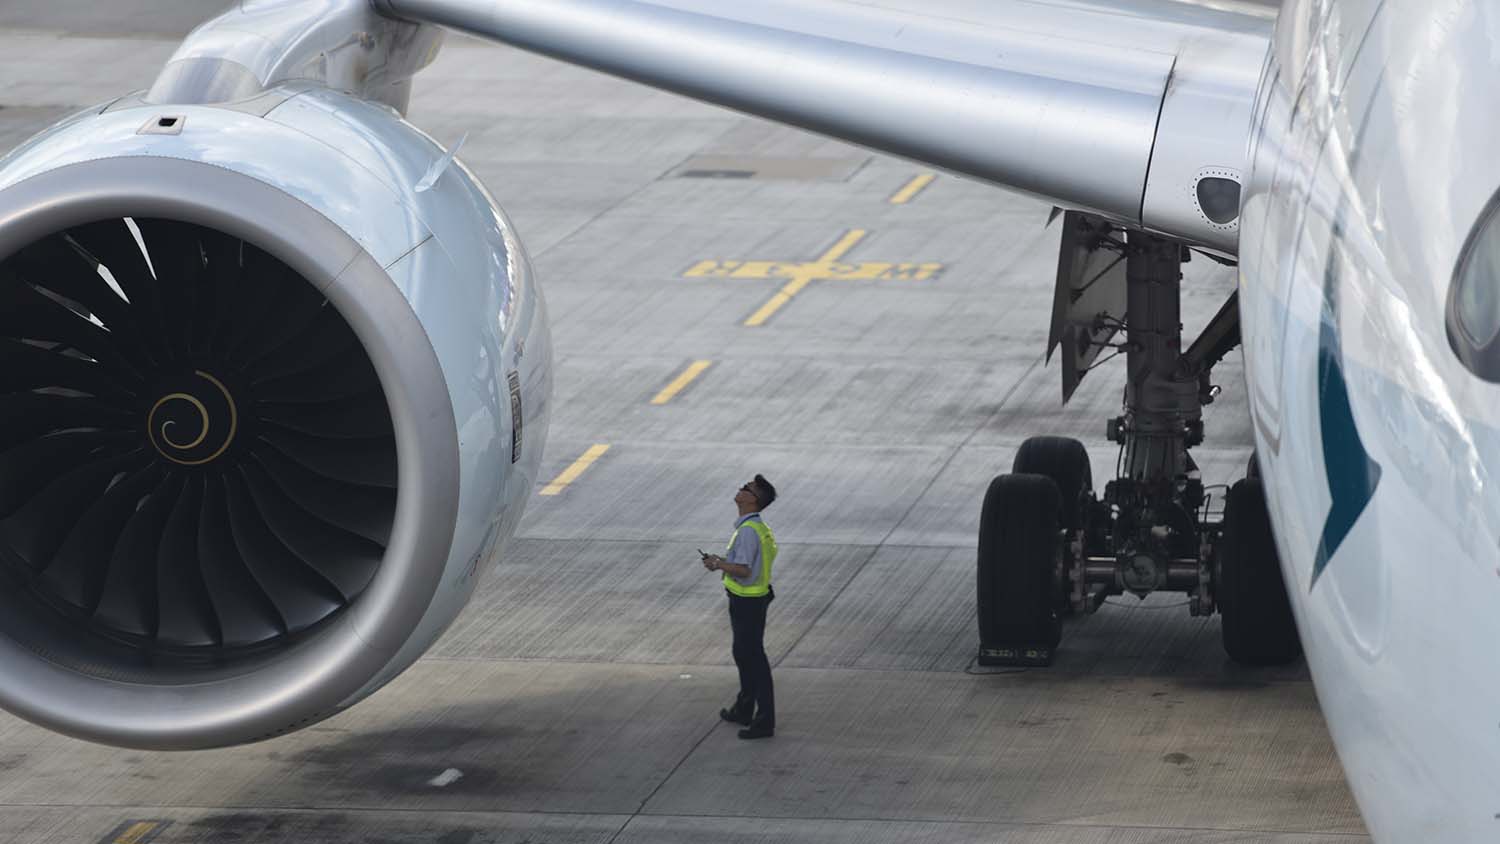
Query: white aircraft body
1342, 153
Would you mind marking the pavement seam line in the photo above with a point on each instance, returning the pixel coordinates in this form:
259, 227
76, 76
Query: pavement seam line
831, 601
523, 660
664, 780
958, 449
319, 810
896, 524
602, 214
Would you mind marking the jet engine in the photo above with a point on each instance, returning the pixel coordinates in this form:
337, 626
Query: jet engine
276, 382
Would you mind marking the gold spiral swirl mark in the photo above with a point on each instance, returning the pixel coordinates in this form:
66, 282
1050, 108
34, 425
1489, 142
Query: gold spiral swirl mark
197, 405
206, 420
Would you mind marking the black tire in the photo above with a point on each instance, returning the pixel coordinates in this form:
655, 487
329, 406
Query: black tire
1258, 626
1019, 535
1066, 462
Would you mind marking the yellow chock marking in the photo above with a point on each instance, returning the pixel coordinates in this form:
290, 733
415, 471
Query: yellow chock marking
136, 832
571, 473
681, 381
914, 187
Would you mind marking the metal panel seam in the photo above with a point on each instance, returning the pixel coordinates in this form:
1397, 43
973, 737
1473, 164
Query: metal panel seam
1161, 108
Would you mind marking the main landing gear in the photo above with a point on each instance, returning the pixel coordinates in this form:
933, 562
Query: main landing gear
1049, 546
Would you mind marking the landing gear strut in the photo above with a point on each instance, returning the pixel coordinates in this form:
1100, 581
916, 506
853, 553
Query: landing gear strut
1049, 546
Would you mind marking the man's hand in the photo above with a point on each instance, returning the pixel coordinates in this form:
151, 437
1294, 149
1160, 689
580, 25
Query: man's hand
713, 562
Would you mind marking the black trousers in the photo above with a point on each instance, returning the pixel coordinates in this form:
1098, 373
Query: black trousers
747, 618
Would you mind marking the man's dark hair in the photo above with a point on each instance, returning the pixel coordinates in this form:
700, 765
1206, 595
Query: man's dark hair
764, 492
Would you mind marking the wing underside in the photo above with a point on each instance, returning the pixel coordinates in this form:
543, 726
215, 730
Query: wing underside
1117, 108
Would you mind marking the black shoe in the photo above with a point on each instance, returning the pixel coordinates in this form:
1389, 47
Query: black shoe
758, 729
735, 715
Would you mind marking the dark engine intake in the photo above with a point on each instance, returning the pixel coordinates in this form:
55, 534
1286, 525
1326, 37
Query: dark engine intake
197, 463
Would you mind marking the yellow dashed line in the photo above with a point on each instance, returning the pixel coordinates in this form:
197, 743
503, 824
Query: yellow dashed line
802, 278
571, 473
136, 832
681, 381
912, 188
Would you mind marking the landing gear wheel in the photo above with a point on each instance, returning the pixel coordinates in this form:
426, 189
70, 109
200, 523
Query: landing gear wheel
1258, 627
1019, 543
1066, 462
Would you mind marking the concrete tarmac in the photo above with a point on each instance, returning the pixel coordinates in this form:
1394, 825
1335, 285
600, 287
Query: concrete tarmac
575, 700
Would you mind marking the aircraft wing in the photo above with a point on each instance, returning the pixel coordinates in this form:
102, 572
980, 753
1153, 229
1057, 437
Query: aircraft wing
1134, 110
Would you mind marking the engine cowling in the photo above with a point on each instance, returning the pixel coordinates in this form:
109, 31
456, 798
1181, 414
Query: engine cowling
277, 378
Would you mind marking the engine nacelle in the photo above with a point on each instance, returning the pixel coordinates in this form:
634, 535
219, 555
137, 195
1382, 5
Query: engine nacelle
276, 383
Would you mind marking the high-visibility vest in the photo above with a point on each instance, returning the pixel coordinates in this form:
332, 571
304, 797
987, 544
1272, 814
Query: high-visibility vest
762, 584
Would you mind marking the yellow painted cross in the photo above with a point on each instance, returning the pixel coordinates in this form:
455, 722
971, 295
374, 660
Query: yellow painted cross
826, 268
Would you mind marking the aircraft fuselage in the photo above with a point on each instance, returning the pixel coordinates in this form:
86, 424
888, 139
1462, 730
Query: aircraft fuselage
1371, 162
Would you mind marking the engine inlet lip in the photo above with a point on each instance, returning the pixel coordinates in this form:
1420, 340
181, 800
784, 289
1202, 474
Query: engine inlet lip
329, 671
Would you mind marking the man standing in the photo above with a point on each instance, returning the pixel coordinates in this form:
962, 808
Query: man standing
747, 579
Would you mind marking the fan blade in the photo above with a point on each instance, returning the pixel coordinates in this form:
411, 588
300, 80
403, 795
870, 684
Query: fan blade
128, 602
203, 322
245, 612
26, 469
112, 242
35, 531
26, 367
81, 567
366, 417
328, 338
302, 595
27, 314
363, 462
343, 559
297, 316
27, 416
226, 266
346, 376
181, 278
56, 264
363, 510
183, 608
265, 283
